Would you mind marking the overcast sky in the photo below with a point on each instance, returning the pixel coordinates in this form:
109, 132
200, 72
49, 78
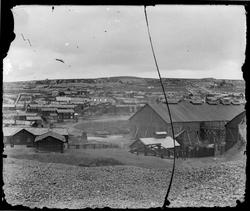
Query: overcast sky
103, 41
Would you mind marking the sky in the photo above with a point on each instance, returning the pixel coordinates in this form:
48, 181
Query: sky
190, 41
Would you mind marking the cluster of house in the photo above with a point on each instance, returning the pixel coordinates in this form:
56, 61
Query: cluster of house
200, 130
209, 98
53, 112
18, 117
43, 139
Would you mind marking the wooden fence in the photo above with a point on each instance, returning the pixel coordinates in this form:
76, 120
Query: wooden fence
93, 146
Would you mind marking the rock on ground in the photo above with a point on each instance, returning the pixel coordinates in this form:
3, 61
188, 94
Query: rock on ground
35, 184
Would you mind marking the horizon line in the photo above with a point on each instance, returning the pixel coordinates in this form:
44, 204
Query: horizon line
157, 78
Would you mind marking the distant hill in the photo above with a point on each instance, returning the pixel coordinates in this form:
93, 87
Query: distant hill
123, 79
208, 79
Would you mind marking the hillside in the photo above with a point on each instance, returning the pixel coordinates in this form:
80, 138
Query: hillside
38, 184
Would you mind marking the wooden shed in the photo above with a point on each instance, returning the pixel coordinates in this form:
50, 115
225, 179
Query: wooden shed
154, 146
50, 142
18, 136
26, 136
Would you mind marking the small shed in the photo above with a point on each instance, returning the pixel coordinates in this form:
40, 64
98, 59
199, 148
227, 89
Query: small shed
155, 146
18, 136
51, 142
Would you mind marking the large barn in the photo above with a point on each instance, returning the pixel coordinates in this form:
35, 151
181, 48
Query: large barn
196, 125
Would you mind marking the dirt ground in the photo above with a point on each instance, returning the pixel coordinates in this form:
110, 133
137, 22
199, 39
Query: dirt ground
56, 180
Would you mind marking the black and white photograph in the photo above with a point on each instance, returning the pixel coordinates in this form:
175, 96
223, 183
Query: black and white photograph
125, 106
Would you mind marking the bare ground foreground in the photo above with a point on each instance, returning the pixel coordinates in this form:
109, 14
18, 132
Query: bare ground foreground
124, 180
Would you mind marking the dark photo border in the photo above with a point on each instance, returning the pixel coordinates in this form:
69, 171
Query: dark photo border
8, 35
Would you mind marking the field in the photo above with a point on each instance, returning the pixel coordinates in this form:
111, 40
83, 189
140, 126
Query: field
118, 179
113, 125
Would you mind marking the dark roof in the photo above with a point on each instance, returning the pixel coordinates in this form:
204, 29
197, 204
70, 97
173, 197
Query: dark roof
243, 113
10, 131
40, 131
187, 112
50, 134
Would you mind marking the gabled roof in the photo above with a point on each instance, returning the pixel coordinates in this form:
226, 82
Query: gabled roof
10, 131
61, 131
50, 134
40, 131
187, 112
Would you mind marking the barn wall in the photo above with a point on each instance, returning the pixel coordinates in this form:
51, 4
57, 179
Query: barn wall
50, 144
213, 131
232, 130
145, 122
192, 131
23, 137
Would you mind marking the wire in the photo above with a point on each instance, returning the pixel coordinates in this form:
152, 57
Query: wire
166, 201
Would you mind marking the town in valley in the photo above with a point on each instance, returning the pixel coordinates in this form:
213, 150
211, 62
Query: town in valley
87, 112
87, 122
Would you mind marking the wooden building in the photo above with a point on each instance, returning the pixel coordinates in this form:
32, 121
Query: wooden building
236, 130
45, 112
157, 146
51, 142
26, 135
18, 136
65, 114
203, 124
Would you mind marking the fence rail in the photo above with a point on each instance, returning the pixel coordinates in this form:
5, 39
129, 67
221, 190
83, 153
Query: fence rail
92, 146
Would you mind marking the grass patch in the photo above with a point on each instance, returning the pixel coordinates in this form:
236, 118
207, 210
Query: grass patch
114, 127
91, 157
101, 162
71, 159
